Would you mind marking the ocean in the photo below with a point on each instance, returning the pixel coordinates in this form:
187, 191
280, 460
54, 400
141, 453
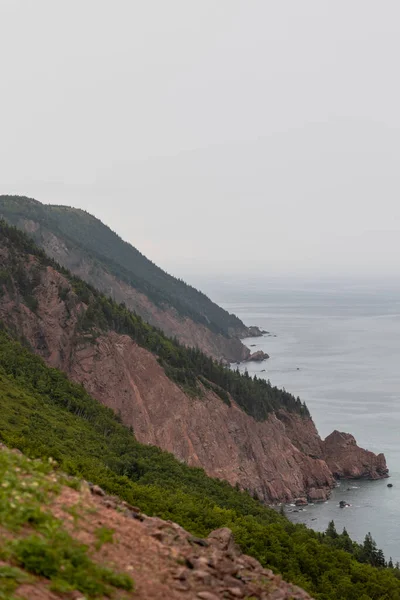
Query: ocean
339, 350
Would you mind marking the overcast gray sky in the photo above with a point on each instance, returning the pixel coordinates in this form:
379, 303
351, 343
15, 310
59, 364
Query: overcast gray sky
215, 135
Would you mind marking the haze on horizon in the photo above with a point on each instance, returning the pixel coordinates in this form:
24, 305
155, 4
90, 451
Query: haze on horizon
229, 137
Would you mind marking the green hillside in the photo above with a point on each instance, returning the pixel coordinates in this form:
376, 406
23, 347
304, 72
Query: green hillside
92, 237
46, 416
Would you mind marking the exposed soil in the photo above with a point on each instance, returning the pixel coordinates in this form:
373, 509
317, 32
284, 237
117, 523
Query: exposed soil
164, 560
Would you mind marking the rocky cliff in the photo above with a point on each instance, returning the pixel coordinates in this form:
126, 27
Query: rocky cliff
279, 458
98, 270
346, 460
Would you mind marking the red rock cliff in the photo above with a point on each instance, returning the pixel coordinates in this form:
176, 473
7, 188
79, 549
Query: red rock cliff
278, 459
346, 460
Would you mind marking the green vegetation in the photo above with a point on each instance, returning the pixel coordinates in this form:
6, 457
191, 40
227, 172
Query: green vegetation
186, 366
10, 579
86, 233
104, 535
46, 416
39, 544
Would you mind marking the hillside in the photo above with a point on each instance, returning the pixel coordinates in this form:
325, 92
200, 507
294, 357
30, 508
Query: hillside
87, 247
100, 546
46, 416
239, 429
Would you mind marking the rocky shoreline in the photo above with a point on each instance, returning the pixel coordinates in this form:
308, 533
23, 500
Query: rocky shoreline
344, 459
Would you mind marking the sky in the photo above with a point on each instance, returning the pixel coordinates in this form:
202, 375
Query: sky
224, 138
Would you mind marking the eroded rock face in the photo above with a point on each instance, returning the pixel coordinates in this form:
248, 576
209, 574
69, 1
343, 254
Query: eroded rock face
279, 459
346, 460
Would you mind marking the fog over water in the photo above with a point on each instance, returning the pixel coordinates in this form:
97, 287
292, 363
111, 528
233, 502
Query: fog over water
339, 349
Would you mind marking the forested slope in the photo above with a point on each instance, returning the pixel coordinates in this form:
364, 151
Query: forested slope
45, 415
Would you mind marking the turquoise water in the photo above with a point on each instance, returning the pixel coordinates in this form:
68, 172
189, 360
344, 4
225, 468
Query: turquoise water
340, 352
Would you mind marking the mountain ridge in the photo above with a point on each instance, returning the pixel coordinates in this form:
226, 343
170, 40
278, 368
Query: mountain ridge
82, 243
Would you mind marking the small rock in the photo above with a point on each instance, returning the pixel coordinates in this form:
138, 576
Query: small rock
181, 574
207, 596
134, 509
182, 586
223, 538
203, 576
199, 541
98, 491
158, 535
232, 582
390, 484
200, 563
135, 515
235, 591
301, 501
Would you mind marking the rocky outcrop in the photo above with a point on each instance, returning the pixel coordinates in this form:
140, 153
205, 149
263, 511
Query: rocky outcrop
278, 459
347, 461
253, 331
258, 356
339, 450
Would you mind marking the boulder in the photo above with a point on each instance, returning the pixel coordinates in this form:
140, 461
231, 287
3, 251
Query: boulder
223, 539
258, 356
301, 501
254, 331
318, 494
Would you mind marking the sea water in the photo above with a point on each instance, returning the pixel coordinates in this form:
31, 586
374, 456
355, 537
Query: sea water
339, 350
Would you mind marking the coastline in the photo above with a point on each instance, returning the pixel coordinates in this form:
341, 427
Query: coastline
323, 354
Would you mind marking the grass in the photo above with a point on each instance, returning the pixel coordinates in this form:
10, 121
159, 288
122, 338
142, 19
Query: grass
10, 579
36, 541
104, 535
